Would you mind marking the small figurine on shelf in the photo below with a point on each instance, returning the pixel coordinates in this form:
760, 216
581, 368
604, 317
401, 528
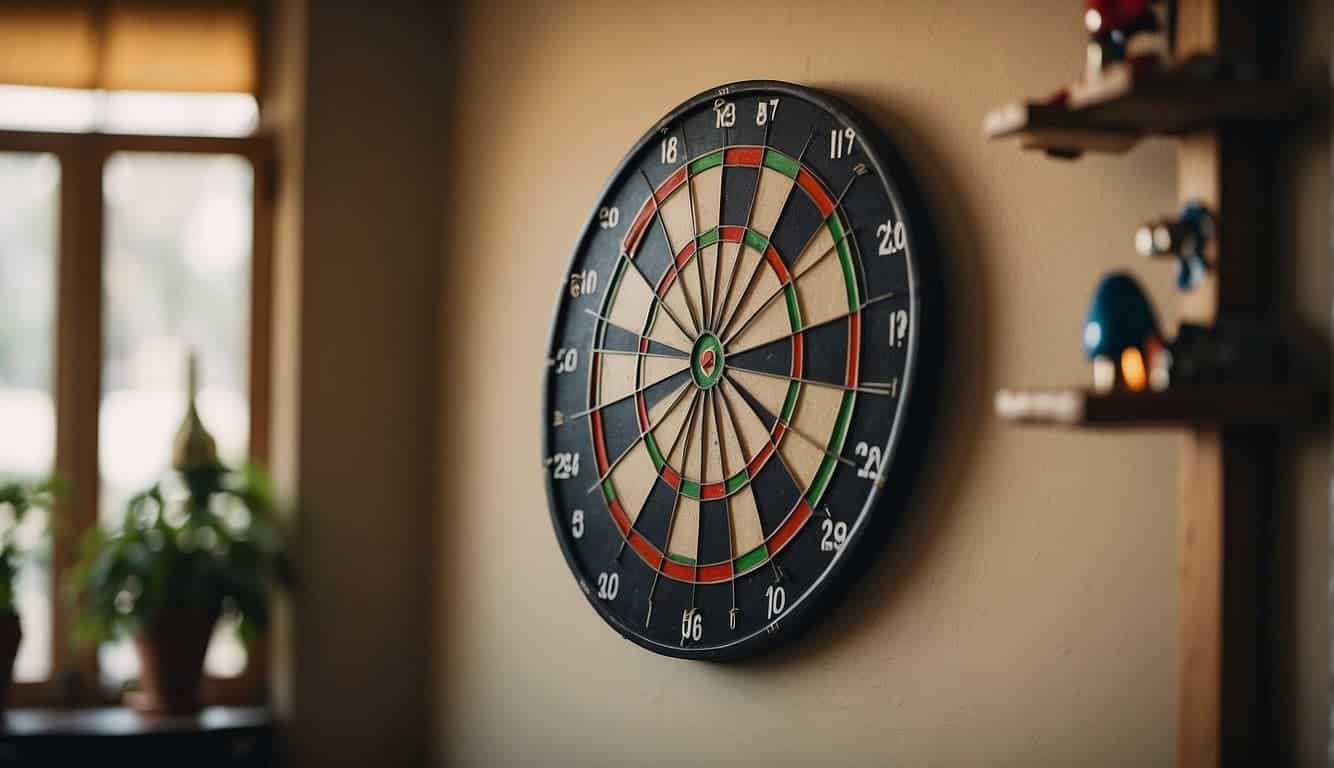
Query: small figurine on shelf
1129, 353
1186, 237
1121, 335
1113, 24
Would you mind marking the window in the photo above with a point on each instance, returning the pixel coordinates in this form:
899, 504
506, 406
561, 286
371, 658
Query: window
176, 278
124, 243
29, 215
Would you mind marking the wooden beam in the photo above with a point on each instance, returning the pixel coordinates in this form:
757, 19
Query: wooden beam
1225, 473
78, 396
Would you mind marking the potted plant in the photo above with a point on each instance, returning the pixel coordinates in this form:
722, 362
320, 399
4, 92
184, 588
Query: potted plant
19, 499
201, 544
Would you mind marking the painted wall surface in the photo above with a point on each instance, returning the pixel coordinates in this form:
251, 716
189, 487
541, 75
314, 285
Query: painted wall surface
356, 100
1027, 617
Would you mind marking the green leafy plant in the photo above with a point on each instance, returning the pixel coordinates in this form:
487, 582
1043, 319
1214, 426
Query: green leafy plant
19, 499
205, 541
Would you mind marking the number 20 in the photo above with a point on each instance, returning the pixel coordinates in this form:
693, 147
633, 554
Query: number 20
887, 230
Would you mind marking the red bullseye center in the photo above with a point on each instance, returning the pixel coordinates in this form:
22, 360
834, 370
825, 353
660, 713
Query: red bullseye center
706, 361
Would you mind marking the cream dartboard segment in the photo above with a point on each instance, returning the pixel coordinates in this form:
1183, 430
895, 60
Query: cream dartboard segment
741, 371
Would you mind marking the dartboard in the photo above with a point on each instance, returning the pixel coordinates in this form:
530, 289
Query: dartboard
739, 371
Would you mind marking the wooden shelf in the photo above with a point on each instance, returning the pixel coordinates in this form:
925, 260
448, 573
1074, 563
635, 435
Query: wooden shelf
1112, 112
1202, 406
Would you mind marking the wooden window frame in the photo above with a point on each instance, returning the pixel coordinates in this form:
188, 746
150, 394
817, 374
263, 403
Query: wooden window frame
74, 679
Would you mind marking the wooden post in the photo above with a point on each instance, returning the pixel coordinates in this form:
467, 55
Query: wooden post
1226, 474
78, 394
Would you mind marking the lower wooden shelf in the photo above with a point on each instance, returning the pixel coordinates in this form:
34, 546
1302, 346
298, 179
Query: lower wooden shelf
1223, 405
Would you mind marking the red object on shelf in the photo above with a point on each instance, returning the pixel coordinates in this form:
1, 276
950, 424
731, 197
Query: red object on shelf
1102, 15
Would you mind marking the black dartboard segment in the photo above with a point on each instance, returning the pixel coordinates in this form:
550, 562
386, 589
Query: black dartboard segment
740, 370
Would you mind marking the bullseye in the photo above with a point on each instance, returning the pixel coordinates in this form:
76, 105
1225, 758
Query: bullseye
706, 363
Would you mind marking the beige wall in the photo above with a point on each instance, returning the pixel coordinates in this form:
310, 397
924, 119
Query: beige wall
355, 94
1028, 619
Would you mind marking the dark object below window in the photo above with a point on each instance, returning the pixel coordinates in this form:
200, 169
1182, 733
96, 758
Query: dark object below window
217, 736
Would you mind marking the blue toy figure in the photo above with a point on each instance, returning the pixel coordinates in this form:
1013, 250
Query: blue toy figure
1186, 237
1121, 334
1129, 353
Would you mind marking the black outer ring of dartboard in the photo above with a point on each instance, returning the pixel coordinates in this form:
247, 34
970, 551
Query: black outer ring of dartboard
890, 495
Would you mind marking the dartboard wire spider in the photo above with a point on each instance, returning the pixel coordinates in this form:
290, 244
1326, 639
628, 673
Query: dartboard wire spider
750, 210
843, 238
715, 399
671, 251
883, 390
634, 353
704, 304
759, 263
685, 388
693, 400
728, 338
703, 476
827, 321
656, 298
585, 412
676, 505
718, 249
748, 397
638, 336
769, 438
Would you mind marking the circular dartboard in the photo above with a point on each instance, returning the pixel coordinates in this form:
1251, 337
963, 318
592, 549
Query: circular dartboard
739, 371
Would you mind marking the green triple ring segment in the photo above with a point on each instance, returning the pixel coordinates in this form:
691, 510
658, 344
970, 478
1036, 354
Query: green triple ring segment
706, 361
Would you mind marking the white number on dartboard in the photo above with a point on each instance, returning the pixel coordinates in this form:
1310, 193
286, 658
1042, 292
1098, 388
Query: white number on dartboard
835, 535
567, 360
777, 598
564, 466
608, 585
892, 236
609, 216
871, 453
577, 523
583, 283
667, 152
692, 625
725, 113
766, 112
840, 142
898, 328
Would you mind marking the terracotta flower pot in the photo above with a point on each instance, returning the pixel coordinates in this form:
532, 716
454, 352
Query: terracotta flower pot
11, 633
171, 660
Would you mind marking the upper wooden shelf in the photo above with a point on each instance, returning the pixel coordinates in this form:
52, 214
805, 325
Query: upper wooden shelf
1112, 112
1226, 405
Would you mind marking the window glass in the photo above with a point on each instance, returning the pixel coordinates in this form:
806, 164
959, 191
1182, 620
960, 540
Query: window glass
177, 264
32, 108
29, 220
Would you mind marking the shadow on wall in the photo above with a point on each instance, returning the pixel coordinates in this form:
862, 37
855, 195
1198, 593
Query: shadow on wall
963, 400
